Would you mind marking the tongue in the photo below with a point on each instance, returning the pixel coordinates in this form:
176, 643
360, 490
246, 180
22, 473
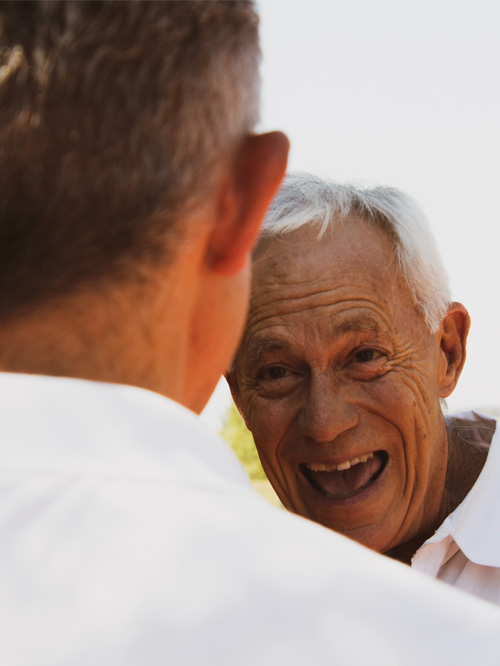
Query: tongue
341, 485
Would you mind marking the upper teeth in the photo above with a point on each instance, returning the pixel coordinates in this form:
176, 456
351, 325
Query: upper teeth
319, 467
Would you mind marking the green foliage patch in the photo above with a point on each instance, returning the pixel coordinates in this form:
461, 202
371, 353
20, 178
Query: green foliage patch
240, 439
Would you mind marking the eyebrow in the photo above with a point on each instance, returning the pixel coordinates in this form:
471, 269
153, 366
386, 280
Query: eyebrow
366, 324
257, 348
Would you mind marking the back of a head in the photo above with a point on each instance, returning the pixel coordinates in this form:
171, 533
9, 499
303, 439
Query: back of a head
114, 118
304, 199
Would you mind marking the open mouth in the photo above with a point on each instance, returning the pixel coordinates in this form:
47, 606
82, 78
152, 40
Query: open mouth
347, 479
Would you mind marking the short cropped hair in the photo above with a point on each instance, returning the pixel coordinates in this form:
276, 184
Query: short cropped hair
115, 118
308, 200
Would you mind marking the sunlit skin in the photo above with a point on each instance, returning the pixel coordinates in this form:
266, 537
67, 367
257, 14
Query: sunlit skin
336, 364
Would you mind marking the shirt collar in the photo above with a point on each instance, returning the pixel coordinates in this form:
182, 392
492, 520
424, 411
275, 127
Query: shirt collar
61, 425
474, 523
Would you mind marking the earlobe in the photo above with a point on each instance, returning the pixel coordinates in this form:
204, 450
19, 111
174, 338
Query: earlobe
453, 343
246, 196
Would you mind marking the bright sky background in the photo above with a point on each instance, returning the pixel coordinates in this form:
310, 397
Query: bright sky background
404, 93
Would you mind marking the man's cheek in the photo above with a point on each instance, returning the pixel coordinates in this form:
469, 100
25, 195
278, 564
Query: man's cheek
265, 429
250, 407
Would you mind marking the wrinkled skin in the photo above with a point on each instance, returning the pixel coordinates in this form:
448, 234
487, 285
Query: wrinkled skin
337, 363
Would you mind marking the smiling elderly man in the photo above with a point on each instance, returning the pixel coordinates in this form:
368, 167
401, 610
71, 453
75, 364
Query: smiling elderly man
350, 344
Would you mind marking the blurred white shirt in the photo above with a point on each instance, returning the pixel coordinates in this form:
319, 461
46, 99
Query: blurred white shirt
131, 536
465, 550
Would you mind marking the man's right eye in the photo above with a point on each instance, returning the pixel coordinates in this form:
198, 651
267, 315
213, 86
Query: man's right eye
272, 373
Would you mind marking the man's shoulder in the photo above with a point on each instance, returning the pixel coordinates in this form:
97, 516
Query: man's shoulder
474, 426
57, 424
121, 557
197, 573
473, 524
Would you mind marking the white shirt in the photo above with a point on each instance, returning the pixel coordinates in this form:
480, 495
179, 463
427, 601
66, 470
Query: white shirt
465, 550
130, 536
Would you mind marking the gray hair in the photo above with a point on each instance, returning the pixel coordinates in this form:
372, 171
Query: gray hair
304, 199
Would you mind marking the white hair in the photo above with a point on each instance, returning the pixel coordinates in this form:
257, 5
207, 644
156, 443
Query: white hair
304, 199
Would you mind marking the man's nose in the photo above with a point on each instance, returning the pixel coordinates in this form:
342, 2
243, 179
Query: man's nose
328, 409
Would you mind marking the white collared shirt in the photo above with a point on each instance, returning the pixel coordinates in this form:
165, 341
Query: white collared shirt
465, 550
130, 536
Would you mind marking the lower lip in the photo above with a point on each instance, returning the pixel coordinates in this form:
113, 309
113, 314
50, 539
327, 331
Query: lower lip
360, 496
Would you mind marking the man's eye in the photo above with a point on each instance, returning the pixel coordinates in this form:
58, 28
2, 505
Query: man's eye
366, 355
273, 373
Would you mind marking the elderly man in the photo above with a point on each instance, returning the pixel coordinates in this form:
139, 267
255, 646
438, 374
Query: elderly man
350, 344
132, 189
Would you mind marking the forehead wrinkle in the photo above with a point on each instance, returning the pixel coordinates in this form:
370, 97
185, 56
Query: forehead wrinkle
286, 304
373, 317
280, 307
282, 290
356, 325
287, 278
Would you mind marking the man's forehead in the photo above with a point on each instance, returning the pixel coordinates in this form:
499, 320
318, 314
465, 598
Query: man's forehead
307, 288
353, 262
302, 253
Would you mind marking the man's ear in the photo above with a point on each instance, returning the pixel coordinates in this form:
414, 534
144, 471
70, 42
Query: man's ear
453, 343
244, 199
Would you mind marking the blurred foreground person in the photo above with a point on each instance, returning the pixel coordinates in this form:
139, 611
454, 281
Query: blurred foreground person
132, 189
351, 342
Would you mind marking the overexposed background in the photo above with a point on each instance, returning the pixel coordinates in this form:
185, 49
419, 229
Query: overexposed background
404, 93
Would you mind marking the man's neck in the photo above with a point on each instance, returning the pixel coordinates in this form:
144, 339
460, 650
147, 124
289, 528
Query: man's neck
112, 337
